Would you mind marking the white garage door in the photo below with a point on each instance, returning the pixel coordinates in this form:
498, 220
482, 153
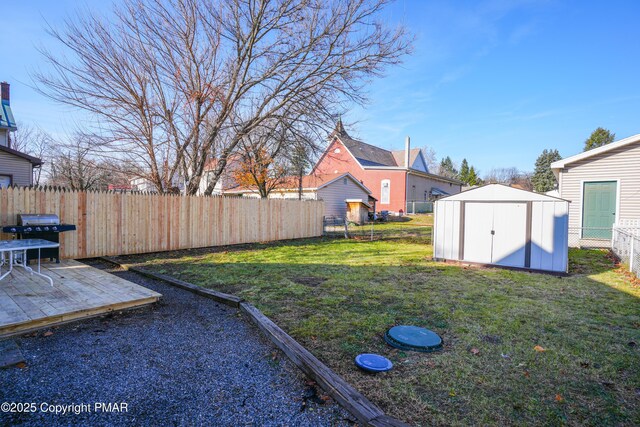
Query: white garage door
495, 233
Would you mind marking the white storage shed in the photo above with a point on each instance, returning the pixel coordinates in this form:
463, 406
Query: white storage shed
499, 225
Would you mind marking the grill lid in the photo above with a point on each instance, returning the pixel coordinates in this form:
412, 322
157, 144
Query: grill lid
38, 219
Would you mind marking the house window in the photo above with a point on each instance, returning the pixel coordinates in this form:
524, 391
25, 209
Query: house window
385, 192
5, 181
344, 181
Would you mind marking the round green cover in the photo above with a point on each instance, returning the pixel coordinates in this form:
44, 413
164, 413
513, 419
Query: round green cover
413, 338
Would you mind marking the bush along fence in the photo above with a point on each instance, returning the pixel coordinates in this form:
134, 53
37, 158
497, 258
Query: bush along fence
625, 243
129, 223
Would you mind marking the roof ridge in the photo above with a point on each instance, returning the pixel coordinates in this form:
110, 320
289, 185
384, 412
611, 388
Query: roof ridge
366, 143
595, 151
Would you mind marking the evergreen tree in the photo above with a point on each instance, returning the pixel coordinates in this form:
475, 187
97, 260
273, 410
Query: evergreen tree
472, 177
543, 179
464, 171
447, 168
598, 138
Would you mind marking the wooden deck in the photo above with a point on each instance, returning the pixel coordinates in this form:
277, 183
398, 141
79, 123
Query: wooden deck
28, 302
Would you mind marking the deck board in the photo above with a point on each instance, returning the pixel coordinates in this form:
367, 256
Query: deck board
28, 302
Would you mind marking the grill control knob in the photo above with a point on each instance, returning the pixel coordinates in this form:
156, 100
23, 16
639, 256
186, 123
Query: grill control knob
46, 229
28, 230
54, 228
13, 229
38, 229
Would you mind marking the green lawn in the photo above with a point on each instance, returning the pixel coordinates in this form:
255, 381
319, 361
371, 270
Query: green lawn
338, 297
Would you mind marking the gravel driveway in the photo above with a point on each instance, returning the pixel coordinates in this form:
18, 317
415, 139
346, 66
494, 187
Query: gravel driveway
186, 360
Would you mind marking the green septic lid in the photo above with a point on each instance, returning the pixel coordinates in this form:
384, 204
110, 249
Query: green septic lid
413, 338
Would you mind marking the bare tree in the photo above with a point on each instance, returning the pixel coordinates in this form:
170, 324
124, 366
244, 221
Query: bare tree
176, 82
33, 141
300, 159
271, 154
429, 155
74, 167
260, 163
507, 176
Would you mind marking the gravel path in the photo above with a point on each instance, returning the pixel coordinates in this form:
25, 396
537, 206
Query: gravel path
186, 360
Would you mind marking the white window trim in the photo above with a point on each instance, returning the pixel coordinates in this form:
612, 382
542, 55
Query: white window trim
388, 182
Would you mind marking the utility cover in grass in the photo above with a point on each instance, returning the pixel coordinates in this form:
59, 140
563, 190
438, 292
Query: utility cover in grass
413, 338
373, 362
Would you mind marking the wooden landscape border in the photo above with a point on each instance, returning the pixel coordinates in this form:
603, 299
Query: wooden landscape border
342, 392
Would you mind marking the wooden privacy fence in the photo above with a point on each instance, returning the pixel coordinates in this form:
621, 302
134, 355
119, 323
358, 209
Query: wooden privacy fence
122, 223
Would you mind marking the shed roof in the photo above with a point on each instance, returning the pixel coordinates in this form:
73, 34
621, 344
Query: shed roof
500, 193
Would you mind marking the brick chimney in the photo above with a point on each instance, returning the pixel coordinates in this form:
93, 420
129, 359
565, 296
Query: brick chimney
407, 152
4, 89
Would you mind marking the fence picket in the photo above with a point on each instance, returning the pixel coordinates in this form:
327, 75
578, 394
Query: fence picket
625, 243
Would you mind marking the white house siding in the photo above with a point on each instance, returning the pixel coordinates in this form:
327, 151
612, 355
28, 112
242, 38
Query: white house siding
335, 194
275, 194
419, 186
19, 168
621, 164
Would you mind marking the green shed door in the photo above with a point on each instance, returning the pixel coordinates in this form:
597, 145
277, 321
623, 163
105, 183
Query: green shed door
598, 209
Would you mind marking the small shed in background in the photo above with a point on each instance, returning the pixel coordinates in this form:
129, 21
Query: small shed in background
499, 225
357, 210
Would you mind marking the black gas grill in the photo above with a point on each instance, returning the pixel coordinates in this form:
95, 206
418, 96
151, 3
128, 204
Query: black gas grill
39, 226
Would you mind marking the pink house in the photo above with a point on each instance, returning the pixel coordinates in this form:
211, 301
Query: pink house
394, 177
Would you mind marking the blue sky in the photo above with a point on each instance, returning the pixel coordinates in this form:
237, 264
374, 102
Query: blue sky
493, 81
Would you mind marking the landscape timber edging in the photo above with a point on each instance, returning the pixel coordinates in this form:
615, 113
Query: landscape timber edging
340, 390
221, 297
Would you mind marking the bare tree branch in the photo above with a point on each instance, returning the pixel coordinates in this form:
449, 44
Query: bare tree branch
176, 82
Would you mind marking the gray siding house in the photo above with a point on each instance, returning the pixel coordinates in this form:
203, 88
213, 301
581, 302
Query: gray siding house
16, 168
603, 186
333, 189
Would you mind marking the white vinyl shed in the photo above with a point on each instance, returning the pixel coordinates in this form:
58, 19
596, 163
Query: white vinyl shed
499, 225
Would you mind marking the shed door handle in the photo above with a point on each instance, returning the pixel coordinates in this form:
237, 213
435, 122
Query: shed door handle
493, 232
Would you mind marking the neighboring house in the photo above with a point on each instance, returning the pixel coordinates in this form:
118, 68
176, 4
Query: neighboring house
394, 177
603, 185
16, 168
142, 184
333, 189
226, 182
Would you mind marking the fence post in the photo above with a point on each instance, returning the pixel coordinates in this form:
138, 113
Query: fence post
633, 239
613, 238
